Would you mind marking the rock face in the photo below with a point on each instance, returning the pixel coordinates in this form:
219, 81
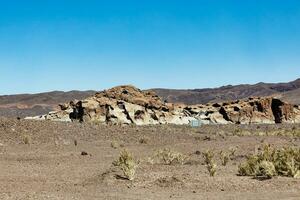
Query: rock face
252, 111
120, 105
129, 105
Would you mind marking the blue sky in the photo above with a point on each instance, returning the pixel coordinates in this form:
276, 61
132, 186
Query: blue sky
96, 44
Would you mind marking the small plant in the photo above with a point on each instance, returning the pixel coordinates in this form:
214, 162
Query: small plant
128, 164
26, 139
208, 156
224, 158
272, 162
143, 140
212, 169
114, 144
232, 151
210, 164
169, 157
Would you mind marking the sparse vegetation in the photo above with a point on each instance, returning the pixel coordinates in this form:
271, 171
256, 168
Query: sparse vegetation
224, 157
143, 140
232, 151
295, 132
26, 139
169, 157
210, 163
272, 162
75, 142
181, 166
114, 144
128, 164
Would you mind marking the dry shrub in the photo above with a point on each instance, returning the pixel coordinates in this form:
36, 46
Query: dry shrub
143, 140
272, 162
169, 157
232, 151
210, 163
128, 164
114, 144
26, 139
224, 157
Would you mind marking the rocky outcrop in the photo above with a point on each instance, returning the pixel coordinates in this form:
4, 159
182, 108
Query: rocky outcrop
120, 105
252, 111
129, 105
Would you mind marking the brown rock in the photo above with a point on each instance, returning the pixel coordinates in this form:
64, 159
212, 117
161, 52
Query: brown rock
129, 105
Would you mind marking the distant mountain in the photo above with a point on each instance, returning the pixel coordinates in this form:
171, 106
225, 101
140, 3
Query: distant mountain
292, 96
22, 105
287, 91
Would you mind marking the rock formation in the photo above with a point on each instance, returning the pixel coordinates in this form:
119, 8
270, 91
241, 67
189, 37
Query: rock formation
120, 105
267, 110
129, 105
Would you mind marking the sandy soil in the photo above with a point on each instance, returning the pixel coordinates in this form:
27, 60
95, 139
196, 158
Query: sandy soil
51, 166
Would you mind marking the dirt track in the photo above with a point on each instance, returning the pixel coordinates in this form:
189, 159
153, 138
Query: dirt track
52, 167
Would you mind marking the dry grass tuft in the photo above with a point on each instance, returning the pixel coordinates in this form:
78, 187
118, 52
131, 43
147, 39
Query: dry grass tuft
210, 163
169, 157
128, 164
26, 139
114, 144
232, 151
224, 157
143, 140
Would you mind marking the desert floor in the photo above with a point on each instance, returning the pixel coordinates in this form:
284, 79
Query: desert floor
39, 160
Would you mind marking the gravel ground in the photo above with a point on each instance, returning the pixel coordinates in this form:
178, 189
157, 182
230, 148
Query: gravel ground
43, 160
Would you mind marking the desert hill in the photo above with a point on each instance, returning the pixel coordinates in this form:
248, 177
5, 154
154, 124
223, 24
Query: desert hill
22, 105
292, 96
287, 91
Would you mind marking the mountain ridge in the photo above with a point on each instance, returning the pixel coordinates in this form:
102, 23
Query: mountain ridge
228, 93
22, 105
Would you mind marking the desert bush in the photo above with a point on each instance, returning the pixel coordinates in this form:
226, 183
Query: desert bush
114, 144
267, 169
143, 140
232, 151
26, 139
272, 162
212, 169
210, 163
295, 132
208, 156
224, 157
128, 164
169, 157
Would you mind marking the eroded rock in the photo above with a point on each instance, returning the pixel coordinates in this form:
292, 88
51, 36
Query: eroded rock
130, 105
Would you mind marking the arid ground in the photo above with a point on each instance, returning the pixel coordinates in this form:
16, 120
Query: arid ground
43, 160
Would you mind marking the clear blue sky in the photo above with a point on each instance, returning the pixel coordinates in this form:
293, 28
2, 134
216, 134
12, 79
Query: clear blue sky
95, 44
